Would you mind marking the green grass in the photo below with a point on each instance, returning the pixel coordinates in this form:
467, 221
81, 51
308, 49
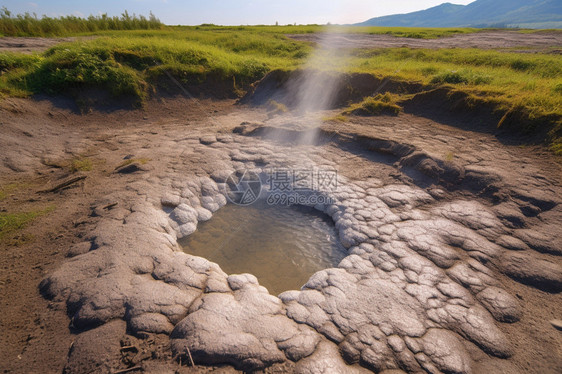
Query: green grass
375, 106
13, 188
406, 32
29, 25
13, 222
530, 81
127, 63
135, 63
80, 164
6, 190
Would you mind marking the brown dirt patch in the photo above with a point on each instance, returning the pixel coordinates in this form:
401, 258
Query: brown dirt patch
482, 40
30, 45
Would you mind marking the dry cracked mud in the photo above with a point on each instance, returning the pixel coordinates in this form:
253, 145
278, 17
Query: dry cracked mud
453, 245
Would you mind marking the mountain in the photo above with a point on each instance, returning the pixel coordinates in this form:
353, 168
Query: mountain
480, 13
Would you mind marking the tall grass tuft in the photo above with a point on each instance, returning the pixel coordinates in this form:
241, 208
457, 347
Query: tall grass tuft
30, 25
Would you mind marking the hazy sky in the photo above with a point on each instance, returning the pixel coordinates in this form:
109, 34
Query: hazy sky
231, 12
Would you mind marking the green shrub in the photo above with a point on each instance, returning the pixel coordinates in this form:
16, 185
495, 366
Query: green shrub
461, 77
76, 69
452, 77
521, 65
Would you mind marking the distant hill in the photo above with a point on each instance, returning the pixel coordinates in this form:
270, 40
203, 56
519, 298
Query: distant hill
481, 13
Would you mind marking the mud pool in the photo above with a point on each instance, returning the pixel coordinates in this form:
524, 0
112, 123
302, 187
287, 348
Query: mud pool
281, 245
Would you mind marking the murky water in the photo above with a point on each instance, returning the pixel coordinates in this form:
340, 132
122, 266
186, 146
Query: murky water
282, 246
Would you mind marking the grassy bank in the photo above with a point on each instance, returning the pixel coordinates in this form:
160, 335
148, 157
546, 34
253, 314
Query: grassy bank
131, 63
135, 63
527, 83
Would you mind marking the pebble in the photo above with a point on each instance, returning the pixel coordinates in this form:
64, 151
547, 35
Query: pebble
557, 324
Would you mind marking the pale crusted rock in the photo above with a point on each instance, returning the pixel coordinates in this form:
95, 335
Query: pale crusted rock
401, 195
216, 283
151, 322
170, 200
511, 214
537, 272
203, 214
349, 237
302, 345
511, 242
254, 331
476, 324
208, 187
208, 139
239, 281
186, 229
327, 360
183, 214
503, 306
370, 301
474, 215
445, 352
542, 239
416, 281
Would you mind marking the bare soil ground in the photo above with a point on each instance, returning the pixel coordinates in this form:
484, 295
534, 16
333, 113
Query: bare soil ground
40, 138
483, 40
30, 45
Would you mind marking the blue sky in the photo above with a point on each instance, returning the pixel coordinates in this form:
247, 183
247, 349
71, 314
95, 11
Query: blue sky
231, 12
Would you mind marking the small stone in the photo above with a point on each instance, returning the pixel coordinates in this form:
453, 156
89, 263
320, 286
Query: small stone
131, 168
209, 139
78, 249
557, 324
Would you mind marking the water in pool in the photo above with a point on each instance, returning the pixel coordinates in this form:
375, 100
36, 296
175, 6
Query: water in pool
282, 246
